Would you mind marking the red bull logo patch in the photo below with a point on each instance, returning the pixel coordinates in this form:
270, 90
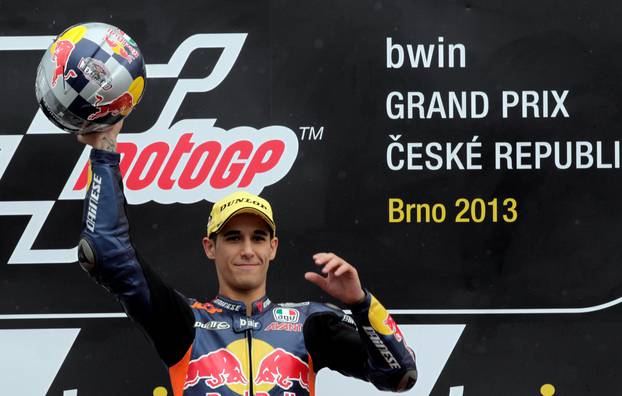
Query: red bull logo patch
230, 367
217, 368
60, 57
282, 368
382, 322
390, 323
61, 51
122, 104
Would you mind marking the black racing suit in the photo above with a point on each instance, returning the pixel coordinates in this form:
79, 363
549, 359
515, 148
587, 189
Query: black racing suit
214, 348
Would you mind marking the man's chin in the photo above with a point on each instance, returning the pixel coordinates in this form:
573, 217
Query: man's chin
246, 285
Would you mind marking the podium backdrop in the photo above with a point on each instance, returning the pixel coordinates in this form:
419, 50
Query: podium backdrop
463, 155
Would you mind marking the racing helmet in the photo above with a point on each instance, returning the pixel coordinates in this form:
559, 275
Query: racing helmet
92, 76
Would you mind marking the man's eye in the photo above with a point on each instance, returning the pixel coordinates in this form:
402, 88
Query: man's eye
259, 238
233, 238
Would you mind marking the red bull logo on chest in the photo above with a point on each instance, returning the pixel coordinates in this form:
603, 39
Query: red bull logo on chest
216, 368
282, 368
230, 367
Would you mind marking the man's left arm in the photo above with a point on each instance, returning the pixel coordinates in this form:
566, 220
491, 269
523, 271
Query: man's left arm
377, 352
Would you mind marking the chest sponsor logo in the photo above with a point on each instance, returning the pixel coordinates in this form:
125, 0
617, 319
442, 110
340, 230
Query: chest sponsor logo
212, 325
217, 368
206, 307
283, 368
229, 367
227, 305
286, 315
275, 326
246, 323
261, 305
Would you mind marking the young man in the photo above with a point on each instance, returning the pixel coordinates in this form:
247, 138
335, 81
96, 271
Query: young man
240, 343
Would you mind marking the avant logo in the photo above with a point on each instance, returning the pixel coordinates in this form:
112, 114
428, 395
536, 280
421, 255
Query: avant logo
186, 162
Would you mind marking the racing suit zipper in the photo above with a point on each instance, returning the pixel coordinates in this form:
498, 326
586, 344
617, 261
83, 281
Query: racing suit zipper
249, 338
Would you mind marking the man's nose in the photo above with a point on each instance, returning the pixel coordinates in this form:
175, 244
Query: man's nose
247, 248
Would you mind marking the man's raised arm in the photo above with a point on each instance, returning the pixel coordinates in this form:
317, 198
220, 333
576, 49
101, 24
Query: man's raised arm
107, 254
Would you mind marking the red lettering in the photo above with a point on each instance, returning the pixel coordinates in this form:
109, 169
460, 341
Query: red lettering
186, 181
183, 146
81, 182
160, 150
141, 167
243, 149
127, 151
266, 157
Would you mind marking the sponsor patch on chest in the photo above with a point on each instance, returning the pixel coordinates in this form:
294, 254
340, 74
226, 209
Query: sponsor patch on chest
275, 326
286, 315
212, 325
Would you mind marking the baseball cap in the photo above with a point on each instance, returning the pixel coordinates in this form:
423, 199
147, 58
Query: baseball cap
237, 203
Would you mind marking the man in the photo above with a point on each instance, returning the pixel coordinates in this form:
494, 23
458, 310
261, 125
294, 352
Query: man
239, 343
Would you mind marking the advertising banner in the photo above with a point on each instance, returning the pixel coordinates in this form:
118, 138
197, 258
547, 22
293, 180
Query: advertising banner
463, 156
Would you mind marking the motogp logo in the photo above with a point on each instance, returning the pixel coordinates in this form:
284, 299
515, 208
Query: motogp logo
186, 167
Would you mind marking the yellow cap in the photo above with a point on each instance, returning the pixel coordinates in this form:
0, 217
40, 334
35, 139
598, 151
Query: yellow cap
236, 203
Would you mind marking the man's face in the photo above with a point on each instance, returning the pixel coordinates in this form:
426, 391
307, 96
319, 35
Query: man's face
242, 252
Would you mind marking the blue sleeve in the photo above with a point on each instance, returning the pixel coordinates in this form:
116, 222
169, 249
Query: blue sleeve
356, 346
107, 254
391, 364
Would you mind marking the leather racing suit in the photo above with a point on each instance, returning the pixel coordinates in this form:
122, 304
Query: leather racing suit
214, 348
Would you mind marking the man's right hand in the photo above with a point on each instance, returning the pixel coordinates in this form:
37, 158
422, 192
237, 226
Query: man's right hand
105, 139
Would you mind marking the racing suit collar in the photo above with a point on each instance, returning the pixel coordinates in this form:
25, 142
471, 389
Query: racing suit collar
238, 306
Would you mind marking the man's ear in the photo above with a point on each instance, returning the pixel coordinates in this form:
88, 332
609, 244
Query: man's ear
274, 244
209, 245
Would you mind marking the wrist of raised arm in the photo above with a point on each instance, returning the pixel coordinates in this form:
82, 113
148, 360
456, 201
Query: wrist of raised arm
361, 306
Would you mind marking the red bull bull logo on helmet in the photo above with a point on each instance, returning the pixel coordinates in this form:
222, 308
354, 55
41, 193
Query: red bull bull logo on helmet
120, 105
61, 50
